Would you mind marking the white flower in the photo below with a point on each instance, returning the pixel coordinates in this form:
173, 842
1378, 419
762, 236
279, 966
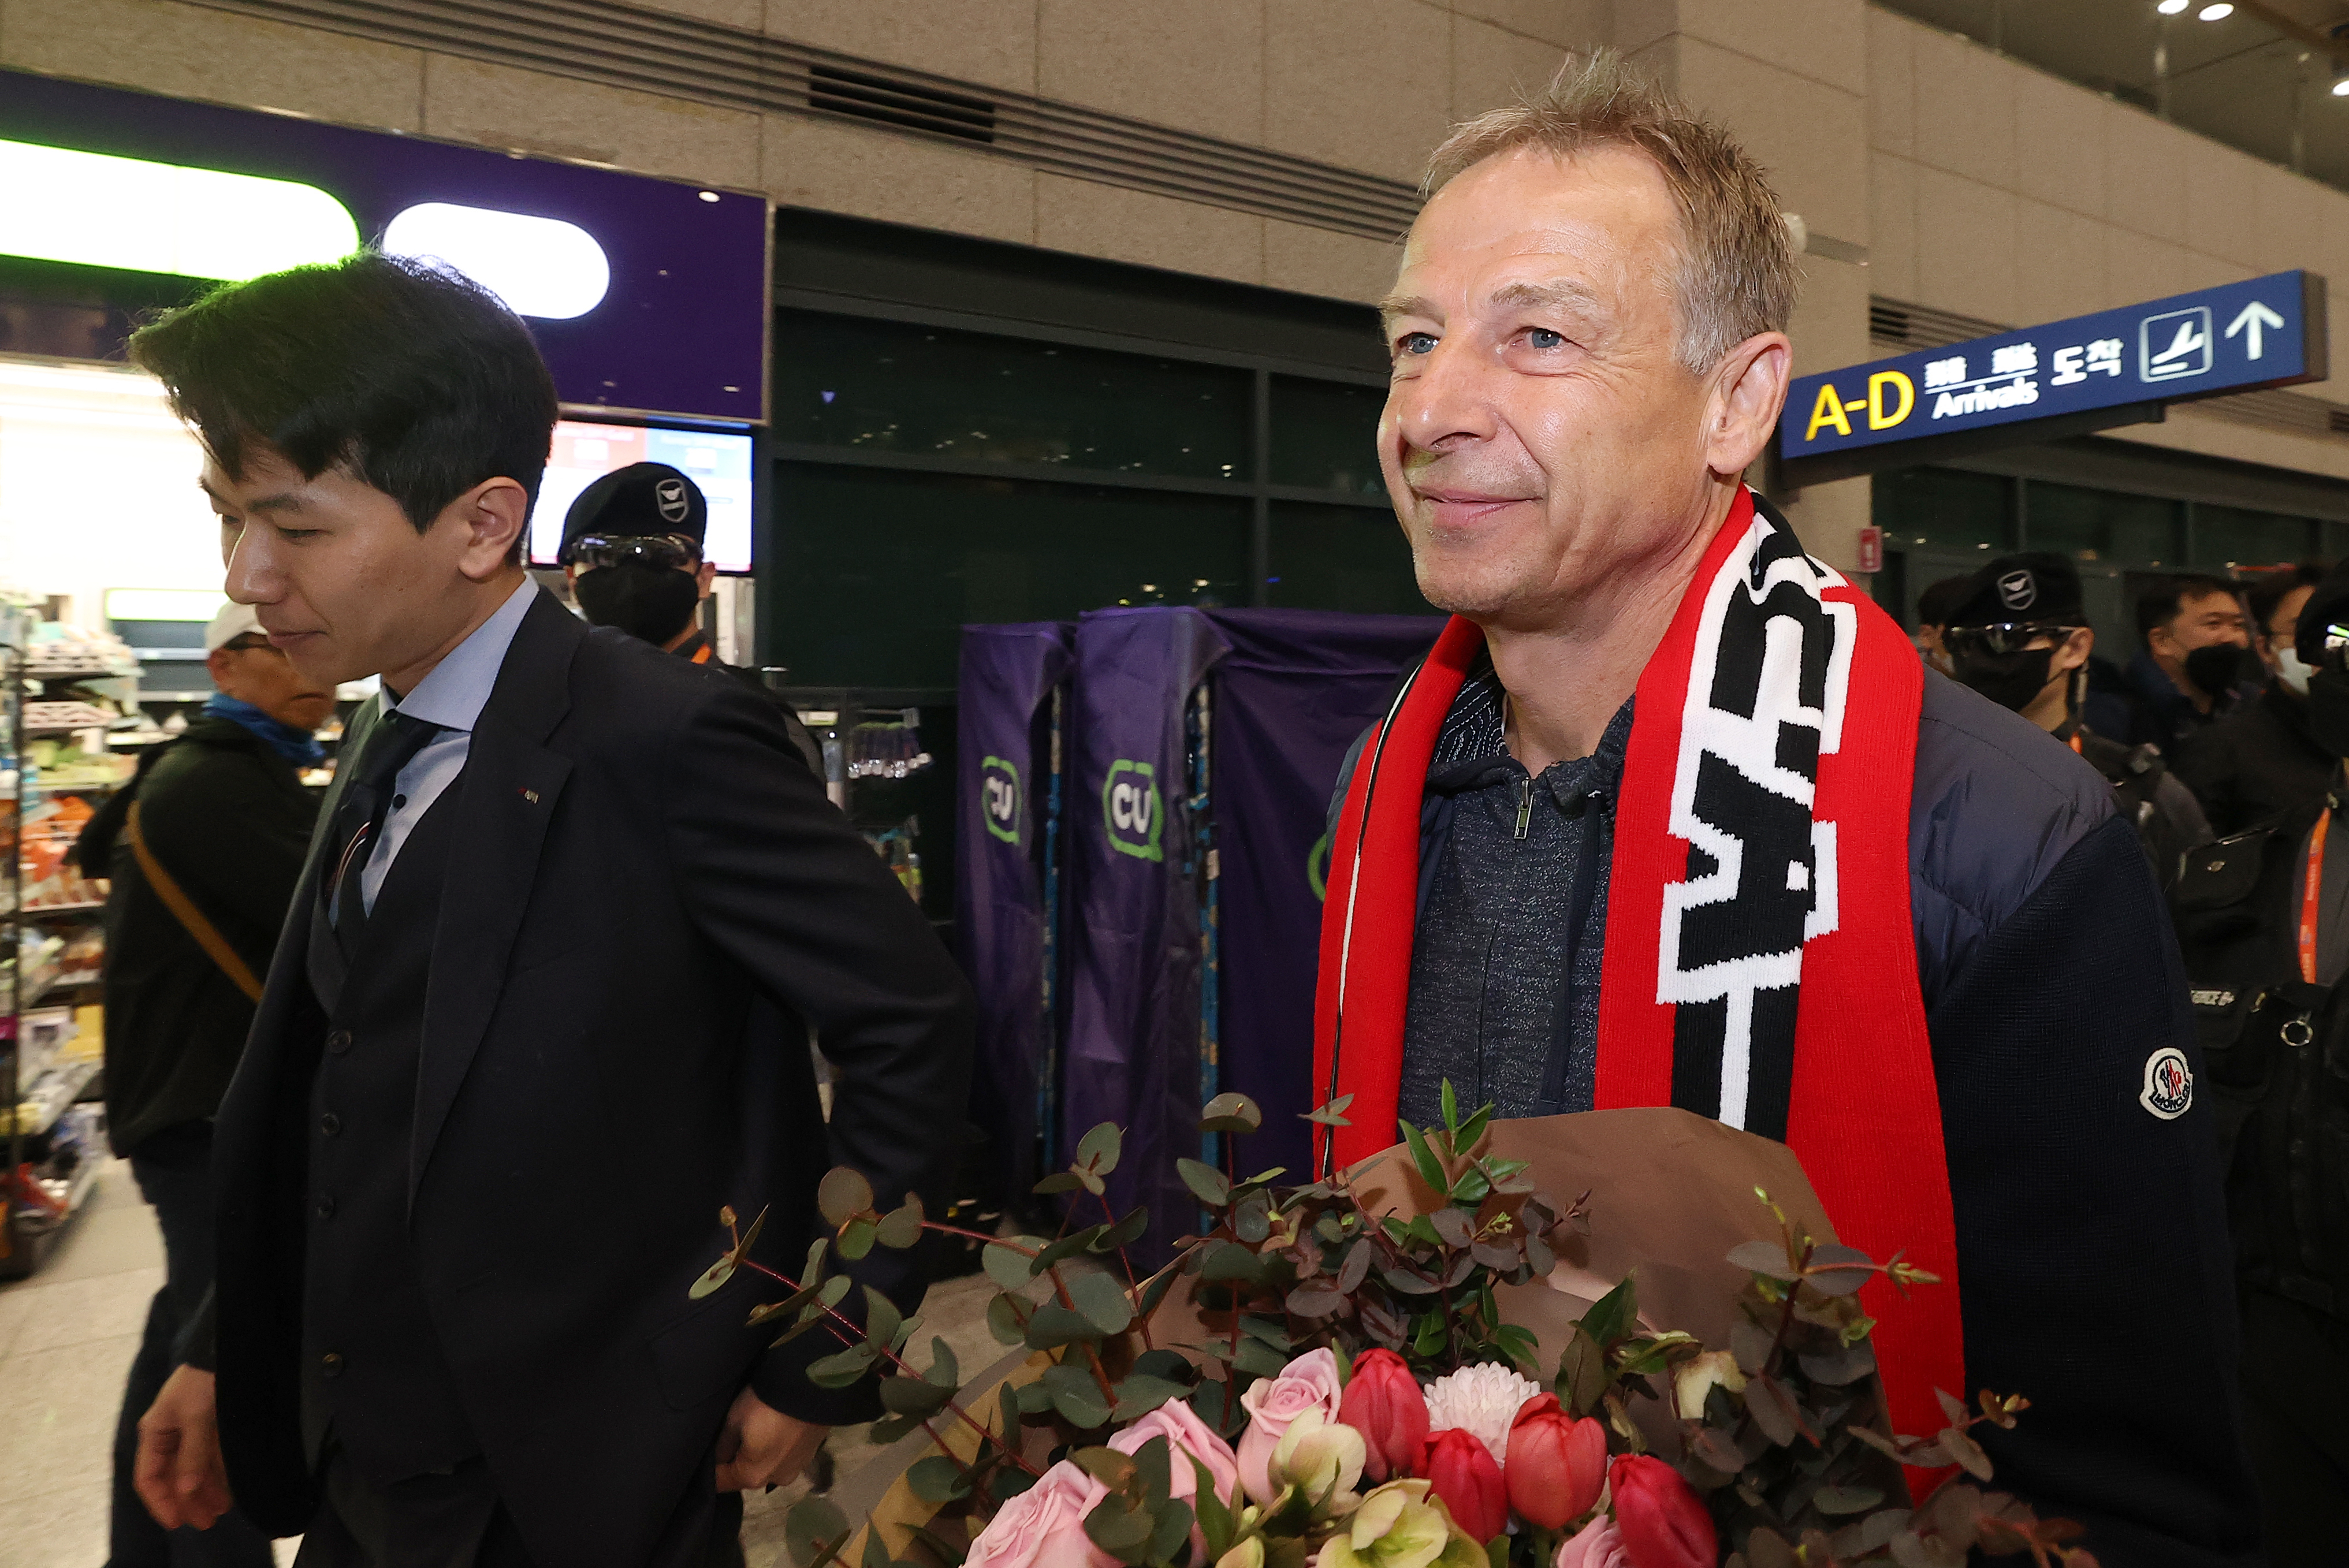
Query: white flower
1481, 1400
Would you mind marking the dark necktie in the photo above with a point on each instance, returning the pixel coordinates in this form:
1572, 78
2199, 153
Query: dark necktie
359, 814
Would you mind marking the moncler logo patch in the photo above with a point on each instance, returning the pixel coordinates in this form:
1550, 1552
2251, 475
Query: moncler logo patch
669, 496
2169, 1084
2017, 590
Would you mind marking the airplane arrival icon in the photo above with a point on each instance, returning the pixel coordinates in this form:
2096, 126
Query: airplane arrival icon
2186, 333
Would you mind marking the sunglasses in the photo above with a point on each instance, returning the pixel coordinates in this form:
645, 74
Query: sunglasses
672, 550
2004, 637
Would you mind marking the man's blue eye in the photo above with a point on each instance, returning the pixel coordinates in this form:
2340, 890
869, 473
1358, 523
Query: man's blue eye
1416, 343
1543, 337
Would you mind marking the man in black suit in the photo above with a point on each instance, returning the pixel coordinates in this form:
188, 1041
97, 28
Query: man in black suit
531, 1020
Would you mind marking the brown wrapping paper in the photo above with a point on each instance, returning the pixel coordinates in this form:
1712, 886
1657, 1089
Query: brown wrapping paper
1671, 1192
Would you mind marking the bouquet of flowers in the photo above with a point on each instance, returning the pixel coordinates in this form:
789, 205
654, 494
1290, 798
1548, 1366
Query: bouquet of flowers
1352, 1374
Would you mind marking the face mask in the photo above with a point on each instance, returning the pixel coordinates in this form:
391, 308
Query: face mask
2291, 671
652, 602
2328, 710
2010, 680
2215, 669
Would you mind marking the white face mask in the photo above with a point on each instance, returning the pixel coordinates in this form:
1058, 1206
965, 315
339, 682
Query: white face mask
2291, 671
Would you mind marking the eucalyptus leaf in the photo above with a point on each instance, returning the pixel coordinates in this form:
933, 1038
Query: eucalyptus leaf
902, 1226
856, 1238
1230, 1260
1103, 1301
842, 1194
1054, 1325
1075, 1394
1067, 1246
1230, 1113
1173, 1532
716, 1275
1140, 1394
1614, 1315
1007, 1267
944, 1371
812, 1529
1098, 1149
839, 1370
1058, 1181
937, 1479
881, 1319
913, 1396
1206, 1184
1332, 1114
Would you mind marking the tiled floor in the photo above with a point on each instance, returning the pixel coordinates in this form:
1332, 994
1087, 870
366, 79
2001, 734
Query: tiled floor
67, 1336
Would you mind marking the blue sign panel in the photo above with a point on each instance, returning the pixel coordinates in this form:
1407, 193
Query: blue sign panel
2268, 332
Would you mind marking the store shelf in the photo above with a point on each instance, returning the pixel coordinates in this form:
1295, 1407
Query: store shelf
38, 910
55, 1089
35, 1236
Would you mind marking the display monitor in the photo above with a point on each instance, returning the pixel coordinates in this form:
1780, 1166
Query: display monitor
585, 451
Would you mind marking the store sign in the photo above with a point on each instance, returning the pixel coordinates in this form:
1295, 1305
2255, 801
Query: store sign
1000, 798
2267, 332
646, 296
1134, 809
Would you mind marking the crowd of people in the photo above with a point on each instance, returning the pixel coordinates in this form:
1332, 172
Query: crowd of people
2223, 741
1671, 816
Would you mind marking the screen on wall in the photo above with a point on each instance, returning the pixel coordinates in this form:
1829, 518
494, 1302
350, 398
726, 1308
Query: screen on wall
719, 462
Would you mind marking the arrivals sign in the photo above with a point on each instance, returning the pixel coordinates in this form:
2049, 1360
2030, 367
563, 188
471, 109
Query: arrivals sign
2267, 332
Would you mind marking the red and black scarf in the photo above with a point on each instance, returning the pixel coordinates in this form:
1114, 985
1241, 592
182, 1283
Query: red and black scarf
1760, 965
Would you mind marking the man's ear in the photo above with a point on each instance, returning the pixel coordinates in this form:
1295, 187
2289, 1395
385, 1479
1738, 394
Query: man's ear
2073, 652
216, 663
1749, 388
705, 577
493, 514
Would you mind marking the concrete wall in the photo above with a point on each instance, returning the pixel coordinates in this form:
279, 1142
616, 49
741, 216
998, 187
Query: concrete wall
1971, 182
1999, 192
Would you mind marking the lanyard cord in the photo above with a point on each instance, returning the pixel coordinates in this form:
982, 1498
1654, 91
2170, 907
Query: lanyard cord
2312, 886
2076, 744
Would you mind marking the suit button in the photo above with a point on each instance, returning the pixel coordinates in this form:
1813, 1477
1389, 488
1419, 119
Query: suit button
331, 1365
330, 1124
339, 1041
326, 1205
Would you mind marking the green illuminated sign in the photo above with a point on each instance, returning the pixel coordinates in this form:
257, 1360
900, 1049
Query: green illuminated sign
95, 210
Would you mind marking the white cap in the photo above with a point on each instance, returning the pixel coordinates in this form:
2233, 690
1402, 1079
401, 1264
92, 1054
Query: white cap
234, 621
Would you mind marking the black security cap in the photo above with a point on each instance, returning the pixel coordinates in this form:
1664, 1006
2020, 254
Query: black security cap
2327, 607
2035, 587
640, 499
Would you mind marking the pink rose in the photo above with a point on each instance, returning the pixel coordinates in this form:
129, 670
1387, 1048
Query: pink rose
1044, 1527
1309, 1383
1188, 1438
1598, 1544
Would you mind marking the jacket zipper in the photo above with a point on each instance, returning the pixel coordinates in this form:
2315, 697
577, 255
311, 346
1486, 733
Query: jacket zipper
1525, 804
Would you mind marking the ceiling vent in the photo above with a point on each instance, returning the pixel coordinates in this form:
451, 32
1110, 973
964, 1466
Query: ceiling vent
674, 56
1887, 323
867, 97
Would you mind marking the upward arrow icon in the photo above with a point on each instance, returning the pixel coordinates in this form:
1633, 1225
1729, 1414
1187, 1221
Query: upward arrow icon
2255, 317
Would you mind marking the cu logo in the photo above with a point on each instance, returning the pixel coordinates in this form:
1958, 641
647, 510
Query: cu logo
998, 797
1133, 811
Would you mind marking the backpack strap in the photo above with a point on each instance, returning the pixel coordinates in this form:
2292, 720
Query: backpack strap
192, 919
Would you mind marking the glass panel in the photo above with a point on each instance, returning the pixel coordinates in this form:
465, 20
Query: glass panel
875, 571
892, 387
1326, 435
2233, 536
1944, 509
2104, 525
1343, 558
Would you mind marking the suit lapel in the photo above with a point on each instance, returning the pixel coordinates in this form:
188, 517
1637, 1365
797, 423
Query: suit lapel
505, 799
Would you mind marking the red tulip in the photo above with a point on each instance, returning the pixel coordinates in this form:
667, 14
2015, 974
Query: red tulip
1461, 1470
1383, 1403
1663, 1522
1557, 1463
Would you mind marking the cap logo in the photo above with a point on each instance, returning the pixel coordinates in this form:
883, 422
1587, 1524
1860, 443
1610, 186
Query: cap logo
2016, 589
2169, 1084
669, 496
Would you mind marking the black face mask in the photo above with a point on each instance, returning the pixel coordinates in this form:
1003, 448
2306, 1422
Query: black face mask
2010, 680
2215, 669
652, 602
2328, 710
